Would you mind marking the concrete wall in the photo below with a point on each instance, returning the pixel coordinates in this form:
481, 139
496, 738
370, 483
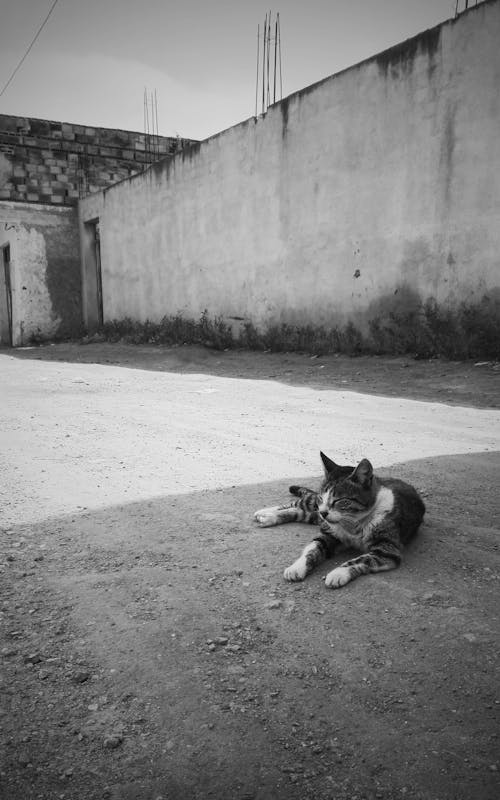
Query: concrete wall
44, 272
44, 161
376, 187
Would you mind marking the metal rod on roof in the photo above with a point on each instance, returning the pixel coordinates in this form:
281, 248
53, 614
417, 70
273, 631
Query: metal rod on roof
150, 129
269, 76
157, 138
257, 77
279, 51
157, 133
264, 65
146, 126
268, 97
275, 55
150, 125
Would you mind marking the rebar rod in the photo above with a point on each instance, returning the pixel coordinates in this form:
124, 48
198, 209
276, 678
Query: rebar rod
264, 65
157, 133
268, 102
279, 52
275, 54
257, 76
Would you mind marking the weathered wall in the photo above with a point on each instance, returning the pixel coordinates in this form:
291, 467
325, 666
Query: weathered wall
43, 161
46, 163
45, 271
376, 186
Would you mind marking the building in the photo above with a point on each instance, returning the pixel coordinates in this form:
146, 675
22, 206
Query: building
46, 167
376, 189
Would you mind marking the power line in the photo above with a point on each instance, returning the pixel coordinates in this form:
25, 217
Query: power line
40, 29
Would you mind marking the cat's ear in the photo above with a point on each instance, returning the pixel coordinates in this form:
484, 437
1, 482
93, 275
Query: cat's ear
330, 466
363, 474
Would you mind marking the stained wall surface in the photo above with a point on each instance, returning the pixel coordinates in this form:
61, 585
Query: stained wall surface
376, 186
45, 283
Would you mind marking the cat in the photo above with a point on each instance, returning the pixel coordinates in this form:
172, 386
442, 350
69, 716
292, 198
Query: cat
354, 508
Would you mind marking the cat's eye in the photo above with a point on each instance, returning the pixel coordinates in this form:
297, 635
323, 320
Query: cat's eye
348, 504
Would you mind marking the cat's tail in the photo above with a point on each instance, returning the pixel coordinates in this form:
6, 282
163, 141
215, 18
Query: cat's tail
309, 502
300, 491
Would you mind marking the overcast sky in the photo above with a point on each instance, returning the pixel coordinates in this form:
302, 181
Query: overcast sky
94, 58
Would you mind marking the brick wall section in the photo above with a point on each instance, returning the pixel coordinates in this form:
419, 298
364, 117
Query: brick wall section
56, 163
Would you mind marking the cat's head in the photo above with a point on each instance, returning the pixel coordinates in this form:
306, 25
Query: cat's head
347, 492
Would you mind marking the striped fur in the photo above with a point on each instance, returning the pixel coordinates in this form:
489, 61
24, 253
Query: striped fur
354, 509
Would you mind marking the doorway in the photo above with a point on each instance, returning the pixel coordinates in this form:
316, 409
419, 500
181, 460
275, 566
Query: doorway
98, 273
93, 275
5, 297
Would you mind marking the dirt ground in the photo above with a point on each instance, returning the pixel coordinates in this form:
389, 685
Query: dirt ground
150, 648
454, 382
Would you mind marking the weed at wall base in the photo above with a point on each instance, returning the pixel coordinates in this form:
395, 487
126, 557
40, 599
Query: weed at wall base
471, 330
214, 333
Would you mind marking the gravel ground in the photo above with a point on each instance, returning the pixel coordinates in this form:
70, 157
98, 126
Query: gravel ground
150, 647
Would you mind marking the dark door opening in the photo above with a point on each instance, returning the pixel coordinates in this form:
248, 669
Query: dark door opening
6, 332
94, 304
98, 274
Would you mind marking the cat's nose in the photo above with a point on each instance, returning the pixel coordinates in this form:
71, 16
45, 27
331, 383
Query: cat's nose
324, 514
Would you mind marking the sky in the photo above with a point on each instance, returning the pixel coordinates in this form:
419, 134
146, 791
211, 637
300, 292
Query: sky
94, 58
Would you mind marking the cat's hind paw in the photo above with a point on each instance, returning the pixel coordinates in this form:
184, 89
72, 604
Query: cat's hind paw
297, 571
266, 517
338, 577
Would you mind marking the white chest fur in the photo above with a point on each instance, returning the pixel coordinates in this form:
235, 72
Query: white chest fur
383, 506
358, 534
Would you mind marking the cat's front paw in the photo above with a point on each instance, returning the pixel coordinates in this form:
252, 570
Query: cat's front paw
338, 577
266, 517
297, 571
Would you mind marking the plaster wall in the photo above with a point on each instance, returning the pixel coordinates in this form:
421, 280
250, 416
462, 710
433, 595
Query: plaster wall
44, 271
377, 186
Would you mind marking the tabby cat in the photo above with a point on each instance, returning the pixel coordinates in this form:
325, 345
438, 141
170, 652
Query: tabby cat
353, 508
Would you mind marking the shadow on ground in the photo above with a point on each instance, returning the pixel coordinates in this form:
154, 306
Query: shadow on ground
153, 650
454, 383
